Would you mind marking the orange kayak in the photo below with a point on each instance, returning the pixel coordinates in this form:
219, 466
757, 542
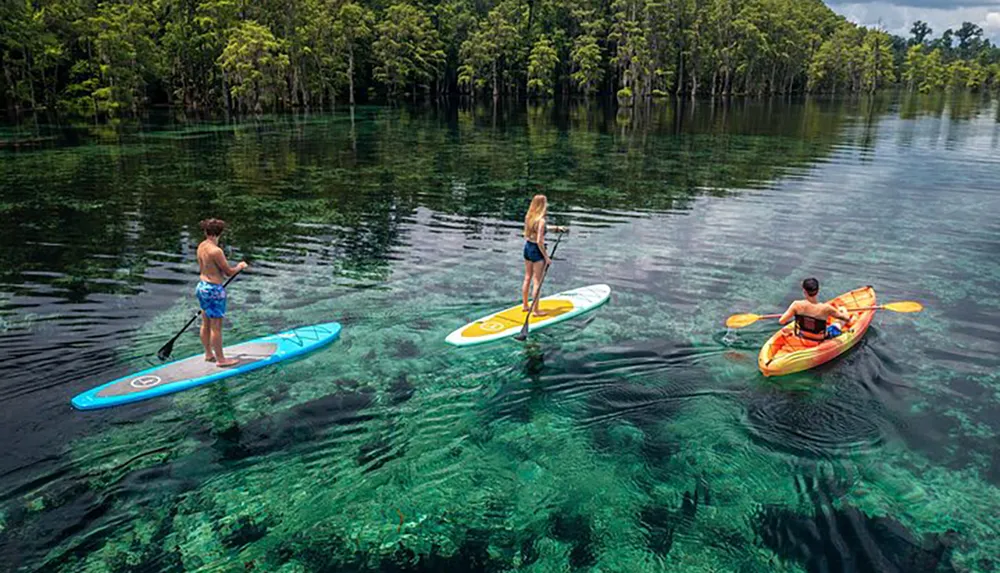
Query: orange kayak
786, 352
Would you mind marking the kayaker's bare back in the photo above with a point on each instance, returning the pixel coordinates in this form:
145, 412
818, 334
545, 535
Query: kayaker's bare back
817, 310
811, 307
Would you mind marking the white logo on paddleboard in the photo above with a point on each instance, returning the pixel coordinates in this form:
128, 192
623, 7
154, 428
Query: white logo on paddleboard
492, 326
147, 381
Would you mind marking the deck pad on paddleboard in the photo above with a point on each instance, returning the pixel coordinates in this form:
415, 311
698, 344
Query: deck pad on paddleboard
195, 371
557, 308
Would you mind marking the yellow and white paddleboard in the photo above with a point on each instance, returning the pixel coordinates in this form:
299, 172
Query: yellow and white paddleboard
557, 308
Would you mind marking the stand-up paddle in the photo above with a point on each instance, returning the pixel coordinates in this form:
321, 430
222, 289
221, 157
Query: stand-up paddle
742, 320
523, 335
168, 348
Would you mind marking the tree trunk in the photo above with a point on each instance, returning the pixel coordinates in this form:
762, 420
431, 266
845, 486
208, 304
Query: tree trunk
31, 83
354, 135
680, 70
350, 72
225, 93
496, 91
45, 95
12, 102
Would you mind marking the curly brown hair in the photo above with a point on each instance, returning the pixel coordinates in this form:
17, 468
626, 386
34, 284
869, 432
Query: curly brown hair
213, 227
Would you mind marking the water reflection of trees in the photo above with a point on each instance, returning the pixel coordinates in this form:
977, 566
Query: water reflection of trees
341, 188
959, 105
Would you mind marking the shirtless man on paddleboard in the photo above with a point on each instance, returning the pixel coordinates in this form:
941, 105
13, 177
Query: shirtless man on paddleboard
211, 294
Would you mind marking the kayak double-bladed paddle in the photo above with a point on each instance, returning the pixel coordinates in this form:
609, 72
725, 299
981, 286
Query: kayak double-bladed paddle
523, 335
743, 320
168, 348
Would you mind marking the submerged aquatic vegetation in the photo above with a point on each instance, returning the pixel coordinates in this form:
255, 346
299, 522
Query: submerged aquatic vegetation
637, 437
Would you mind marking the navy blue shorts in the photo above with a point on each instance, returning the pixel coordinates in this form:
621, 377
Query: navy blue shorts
532, 252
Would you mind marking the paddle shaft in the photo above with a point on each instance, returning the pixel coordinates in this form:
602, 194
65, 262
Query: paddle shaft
867, 308
905, 306
880, 307
534, 303
168, 347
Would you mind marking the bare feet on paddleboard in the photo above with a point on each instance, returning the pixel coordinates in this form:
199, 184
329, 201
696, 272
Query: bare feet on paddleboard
226, 362
209, 358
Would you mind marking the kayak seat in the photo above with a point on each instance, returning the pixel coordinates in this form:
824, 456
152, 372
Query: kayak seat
810, 328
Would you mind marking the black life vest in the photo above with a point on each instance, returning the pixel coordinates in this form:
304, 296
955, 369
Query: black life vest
810, 328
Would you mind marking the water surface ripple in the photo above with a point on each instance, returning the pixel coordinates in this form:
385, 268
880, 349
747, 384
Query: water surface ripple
639, 437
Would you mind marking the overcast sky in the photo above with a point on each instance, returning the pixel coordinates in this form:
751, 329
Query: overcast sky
897, 16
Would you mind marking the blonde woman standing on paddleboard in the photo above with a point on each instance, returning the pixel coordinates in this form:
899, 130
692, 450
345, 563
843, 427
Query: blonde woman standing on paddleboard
536, 257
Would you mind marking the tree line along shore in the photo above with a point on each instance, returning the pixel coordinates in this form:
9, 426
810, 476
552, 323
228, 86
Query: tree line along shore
113, 58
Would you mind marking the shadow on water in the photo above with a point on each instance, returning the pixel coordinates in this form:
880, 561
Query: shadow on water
298, 427
630, 395
842, 538
845, 539
814, 422
640, 383
522, 393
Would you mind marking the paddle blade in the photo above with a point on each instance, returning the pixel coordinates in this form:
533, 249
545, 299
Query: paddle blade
904, 306
741, 320
166, 350
523, 335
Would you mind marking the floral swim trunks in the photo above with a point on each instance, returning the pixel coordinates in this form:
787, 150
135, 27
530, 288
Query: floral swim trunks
212, 298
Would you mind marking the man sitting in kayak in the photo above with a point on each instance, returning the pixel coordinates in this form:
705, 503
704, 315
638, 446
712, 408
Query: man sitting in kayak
811, 315
210, 292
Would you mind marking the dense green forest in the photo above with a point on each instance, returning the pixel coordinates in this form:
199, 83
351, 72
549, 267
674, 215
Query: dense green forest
112, 58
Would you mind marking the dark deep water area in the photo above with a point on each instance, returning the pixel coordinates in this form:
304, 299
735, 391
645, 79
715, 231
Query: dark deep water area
638, 437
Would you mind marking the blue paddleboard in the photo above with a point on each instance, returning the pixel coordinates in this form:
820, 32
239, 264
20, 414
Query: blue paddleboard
194, 371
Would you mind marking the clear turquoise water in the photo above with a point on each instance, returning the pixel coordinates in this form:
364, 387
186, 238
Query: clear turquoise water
639, 437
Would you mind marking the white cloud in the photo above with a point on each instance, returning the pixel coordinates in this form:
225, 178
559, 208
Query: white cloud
992, 23
898, 19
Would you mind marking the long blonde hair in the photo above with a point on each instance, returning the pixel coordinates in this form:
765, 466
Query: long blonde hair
539, 206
